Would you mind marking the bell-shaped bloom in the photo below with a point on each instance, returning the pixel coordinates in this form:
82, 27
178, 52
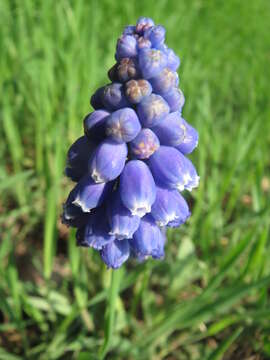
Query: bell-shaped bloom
156, 34
113, 97
129, 30
77, 158
173, 61
175, 99
164, 81
73, 215
151, 62
137, 90
123, 125
191, 177
190, 139
122, 223
148, 240
126, 47
170, 131
143, 43
127, 69
168, 168
88, 194
170, 208
143, 23
144, 145
96, 99
152, 110
107, 161
137, 188
115, 253
96, 231
94, 124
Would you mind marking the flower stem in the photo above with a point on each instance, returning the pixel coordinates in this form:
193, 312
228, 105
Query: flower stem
116, 276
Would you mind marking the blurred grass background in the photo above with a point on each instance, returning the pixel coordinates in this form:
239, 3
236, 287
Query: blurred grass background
209, 298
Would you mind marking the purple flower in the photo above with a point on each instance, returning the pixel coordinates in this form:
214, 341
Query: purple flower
143, 43
72, 214
137, 90
122, 223
113, 97
175, 99
96, 99
95, 233
144, 145
151, 62
173, 175
137, 188
152, 110
126, 47
123, 125
129, 30
148, 240
127, 69
77, 158
190, 139
88, 194
170, 131
115, 253
170, 208
108, 161
130, 163
156, 34
173, 60
164, 81
143, 23
94, 124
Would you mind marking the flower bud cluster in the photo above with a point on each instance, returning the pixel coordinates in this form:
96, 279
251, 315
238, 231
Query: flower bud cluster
130, 166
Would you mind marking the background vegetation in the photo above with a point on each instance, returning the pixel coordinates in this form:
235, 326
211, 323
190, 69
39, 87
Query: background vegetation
209, 298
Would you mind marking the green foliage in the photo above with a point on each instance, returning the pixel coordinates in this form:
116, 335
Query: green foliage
209, 298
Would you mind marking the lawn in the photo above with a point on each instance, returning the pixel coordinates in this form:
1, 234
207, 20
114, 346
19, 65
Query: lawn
209, 298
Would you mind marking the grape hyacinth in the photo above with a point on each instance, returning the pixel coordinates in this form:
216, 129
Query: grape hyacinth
130, 166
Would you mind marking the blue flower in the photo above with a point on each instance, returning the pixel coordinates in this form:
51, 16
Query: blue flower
94, 124
126, 47
144, 23
88, 194
156, 34
148, 240
151, 62
115, 253
137, 90
77, 158
95, 233
164, 81
144, 145
123, 125
152, 109
190, 139
172, 130
131, 164
127, 69
108, 161
113, 97
175, 99
96, 99
122, 223
170, 208
175, 175
137, 188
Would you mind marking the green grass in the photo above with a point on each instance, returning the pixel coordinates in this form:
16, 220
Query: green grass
209, 298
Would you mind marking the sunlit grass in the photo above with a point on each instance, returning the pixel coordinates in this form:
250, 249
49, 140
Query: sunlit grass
210, 294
